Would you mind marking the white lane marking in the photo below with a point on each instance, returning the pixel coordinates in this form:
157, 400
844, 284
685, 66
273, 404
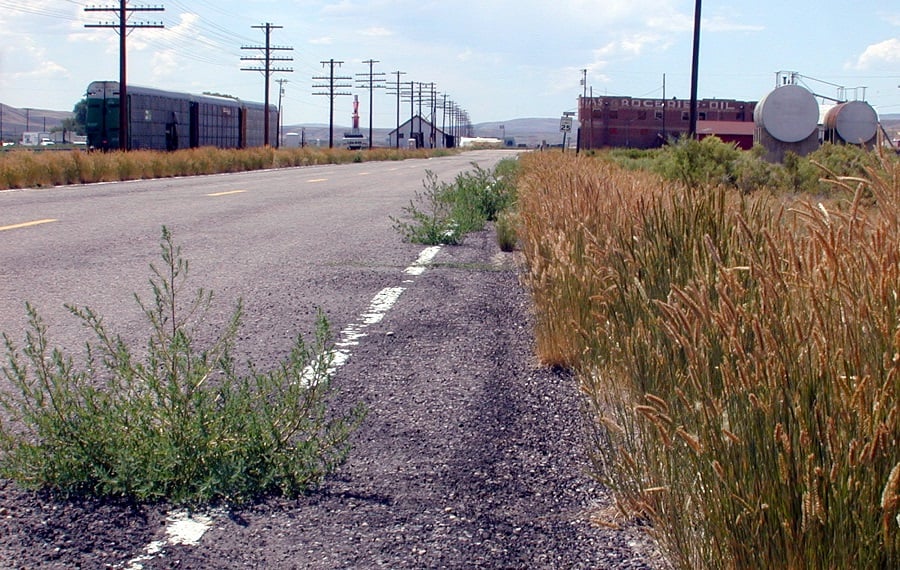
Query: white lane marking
183, 528
422, 262
383, 301
188, 529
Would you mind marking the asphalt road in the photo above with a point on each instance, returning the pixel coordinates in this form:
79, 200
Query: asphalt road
285, 241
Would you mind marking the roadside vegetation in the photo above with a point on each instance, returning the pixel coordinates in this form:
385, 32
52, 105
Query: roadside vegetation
713, 162
30, 169
738, 344
444, 212
178, 420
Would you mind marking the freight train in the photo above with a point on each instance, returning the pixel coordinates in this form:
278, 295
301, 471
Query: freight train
167, 120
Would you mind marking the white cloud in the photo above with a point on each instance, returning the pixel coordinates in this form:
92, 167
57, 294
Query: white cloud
31, 62
377, 32
722, 24
165, 63
322, 41
887, 51
892, 19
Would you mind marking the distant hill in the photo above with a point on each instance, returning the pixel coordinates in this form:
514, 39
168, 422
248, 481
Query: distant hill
530, 132
14, 121
891, 124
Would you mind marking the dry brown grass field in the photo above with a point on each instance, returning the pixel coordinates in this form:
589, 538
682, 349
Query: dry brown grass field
27, 168
740, 353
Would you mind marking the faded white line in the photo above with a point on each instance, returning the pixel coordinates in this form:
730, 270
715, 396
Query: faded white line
422, 262
182, 528
381, 303
188, 529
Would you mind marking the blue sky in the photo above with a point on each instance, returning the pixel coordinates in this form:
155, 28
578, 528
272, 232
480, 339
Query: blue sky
497, 59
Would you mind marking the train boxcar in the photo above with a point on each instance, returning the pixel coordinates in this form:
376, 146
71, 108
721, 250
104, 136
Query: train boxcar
167, 120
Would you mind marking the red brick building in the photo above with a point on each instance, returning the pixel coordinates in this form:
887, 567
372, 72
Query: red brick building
648, 123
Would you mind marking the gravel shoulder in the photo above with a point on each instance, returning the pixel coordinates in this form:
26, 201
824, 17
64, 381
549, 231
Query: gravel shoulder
471, 456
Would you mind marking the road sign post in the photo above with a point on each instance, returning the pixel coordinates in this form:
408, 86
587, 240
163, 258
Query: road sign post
565, 126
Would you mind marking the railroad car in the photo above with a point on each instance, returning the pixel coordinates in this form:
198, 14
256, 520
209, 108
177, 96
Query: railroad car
168, 120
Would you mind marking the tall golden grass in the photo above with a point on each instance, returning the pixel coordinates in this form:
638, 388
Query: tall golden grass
27, 169
740, 355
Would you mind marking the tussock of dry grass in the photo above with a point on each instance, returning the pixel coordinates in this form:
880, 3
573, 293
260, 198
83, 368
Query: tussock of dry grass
741, 356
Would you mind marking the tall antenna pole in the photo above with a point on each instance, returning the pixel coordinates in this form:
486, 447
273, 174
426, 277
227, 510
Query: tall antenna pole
122, 29
375, 81
695, 66
332, 93
665, 108
267, 69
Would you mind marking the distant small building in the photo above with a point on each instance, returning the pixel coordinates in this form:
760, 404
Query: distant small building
738, 132
422, 132
473, 141
34, 138
648, 123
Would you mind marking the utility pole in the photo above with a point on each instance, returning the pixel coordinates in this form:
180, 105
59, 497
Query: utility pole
665, 108
267, 69
397, 88
412, 110
374, 81
332, 86
695, 66
122, 29
444, 118
433, 137
280, 83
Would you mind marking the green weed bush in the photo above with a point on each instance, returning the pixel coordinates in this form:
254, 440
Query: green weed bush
181, 423
714, 162
443, 213
704, 162
429, 216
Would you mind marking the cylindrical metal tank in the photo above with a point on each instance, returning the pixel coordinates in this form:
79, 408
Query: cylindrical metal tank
854, 122
789, 113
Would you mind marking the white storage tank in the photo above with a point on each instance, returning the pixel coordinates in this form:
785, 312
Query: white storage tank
854, 122
787, 119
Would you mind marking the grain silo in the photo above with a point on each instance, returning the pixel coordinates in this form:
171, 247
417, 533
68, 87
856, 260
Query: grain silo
852, 122
787, 119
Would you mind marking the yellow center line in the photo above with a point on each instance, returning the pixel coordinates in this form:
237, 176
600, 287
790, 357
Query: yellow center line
318, 180
215, 194
28, 224
363, 174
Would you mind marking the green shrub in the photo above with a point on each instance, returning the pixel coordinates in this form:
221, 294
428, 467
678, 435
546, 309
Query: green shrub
444, 213
704, 162
181, 423
429, 217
